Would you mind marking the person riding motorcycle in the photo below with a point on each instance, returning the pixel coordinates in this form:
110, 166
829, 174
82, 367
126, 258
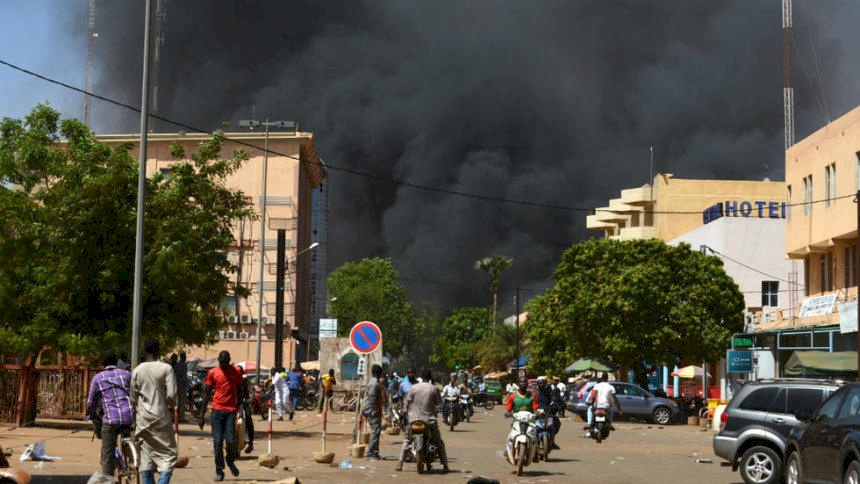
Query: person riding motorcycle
421, 403
452, 391
603, 396
545, 402
522, 400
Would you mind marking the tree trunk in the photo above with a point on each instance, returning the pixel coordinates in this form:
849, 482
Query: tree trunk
495, 299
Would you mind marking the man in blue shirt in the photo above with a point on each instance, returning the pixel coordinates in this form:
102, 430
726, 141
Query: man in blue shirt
110, 393
295, 381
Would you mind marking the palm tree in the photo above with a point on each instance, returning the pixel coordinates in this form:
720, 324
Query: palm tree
494, 266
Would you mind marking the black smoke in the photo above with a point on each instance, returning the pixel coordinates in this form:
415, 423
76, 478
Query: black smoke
552, 102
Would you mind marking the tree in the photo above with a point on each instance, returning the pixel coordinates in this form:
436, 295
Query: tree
67, 242
634, 301
369, 290
494, 266
460, 332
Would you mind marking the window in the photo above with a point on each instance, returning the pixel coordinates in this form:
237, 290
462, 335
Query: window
825, 266
770, 293
850, 266
165, 172
759, 399
829, 271
349, 367
828, 409
851, 408
790, 400
807, 195
807, 271
829, 184
788, 202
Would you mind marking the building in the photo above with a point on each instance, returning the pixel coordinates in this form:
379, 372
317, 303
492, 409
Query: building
293, 172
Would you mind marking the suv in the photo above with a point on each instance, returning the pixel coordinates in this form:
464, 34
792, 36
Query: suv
755, 426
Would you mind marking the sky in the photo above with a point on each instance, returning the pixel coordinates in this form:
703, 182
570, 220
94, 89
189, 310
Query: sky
453, 129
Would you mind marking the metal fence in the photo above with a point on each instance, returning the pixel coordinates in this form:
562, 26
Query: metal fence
53, 392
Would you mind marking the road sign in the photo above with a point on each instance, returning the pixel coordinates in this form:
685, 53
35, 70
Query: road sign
362, 365
365, 337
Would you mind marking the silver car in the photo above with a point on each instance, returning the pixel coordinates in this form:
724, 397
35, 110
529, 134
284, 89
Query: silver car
635, 402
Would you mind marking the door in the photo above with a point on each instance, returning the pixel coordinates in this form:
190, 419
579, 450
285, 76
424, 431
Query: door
816, 458
632, 399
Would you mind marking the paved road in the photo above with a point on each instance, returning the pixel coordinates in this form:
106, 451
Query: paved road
635, 453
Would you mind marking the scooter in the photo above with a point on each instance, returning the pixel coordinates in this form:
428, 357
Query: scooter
522, 441
543, 426
422, 448
450, 412
600, 425
466, 406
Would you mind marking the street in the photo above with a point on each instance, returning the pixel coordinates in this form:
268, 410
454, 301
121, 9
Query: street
636, 453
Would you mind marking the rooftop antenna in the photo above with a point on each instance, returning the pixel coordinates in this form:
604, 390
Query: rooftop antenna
158, 43
91, 35
787, 89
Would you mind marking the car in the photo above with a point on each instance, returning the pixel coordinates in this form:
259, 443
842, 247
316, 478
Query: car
755, 426
825, 446
494, 390
635, 402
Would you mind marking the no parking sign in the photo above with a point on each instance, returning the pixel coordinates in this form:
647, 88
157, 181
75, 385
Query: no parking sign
365, 337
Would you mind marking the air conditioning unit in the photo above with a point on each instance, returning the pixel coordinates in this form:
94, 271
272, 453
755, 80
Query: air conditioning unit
246, 319
232, 319
244, 335
229, 335
222, 334
267, 320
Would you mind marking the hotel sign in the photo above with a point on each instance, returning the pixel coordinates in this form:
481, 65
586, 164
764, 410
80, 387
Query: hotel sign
817, 306
744, 208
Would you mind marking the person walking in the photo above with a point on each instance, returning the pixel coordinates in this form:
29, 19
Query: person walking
295, 380
374, 396
110, 396
328, 383
422, 401
153, 396
223, 383
281, 394
244, 402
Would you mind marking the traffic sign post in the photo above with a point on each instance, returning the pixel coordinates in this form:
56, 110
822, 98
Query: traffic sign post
365, 337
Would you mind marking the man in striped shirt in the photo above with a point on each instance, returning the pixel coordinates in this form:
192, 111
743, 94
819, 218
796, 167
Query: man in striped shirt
109, 391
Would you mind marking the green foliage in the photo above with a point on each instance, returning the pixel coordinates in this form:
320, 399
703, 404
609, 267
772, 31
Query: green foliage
370, 290
494, 266
460, 333
632, 301
67, 242
495, 351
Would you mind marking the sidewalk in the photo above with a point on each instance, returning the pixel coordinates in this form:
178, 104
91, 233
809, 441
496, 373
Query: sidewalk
294, 441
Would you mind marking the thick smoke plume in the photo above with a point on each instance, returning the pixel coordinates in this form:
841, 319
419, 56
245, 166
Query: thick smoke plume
554, 102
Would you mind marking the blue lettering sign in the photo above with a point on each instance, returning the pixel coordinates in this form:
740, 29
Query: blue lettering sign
743, 208
746, 208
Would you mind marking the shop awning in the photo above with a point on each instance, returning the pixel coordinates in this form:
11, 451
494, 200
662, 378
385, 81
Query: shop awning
821, 363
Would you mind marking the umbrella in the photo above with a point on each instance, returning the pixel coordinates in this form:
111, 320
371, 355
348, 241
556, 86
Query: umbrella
479, 367
591, 364
691, 371
251, 366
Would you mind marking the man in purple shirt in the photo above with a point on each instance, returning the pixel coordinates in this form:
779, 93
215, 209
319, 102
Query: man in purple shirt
109, 391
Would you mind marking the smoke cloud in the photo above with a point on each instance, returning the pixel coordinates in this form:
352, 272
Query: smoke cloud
553, 102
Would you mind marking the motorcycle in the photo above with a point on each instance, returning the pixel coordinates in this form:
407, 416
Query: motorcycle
397, 417
466, 406
484, 400
599, 430
422, 448
543, 425
450, 412
522, 441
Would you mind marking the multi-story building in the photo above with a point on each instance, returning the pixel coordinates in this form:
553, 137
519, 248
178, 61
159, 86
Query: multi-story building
293, 171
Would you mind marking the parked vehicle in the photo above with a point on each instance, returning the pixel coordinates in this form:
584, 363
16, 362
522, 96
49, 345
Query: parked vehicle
484, 400
825, 446
522, 441
422, 448
636, 402
599, 430
494, 391
756, 424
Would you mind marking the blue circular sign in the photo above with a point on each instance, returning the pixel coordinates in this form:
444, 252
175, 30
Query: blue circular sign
365, 337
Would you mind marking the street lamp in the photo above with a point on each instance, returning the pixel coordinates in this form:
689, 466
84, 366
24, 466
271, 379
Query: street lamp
253, 124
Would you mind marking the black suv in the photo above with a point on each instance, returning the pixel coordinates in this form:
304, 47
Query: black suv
755, 426
825, 447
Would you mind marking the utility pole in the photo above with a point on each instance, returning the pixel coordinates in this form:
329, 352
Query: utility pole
91, 35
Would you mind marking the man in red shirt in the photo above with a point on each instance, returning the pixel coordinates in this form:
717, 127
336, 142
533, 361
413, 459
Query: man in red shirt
225, 380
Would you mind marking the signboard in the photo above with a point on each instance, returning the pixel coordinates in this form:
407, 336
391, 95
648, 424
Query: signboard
848, 317
739, 361
362, 365
742, 342
365, 337
817, 306
328, 328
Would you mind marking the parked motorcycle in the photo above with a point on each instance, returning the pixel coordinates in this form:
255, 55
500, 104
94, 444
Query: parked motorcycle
466, 407
522, 441
483, 400
422, 448
450, 412
599, 430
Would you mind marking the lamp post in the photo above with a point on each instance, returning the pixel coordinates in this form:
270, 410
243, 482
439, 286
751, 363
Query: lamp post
283, 266
253, 124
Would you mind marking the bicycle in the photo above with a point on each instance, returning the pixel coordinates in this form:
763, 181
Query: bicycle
346, 401
127, 461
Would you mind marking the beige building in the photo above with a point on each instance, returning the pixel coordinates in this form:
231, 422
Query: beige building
822, 174
293, 171
671, 207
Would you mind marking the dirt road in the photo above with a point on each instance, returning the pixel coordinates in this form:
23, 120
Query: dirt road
635, 453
